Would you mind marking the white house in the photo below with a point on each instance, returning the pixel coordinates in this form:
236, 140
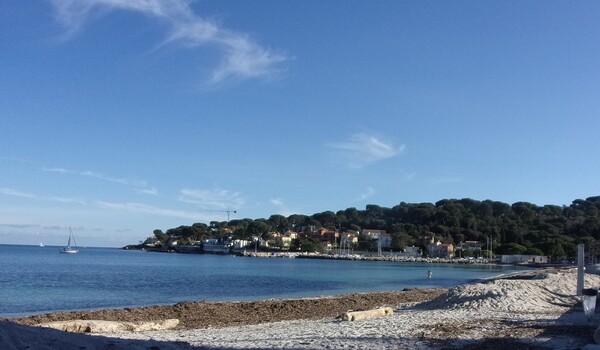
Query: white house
411, 252
516, 259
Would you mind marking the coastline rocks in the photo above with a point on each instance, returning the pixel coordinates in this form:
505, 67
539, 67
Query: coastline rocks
100, 326
389, 258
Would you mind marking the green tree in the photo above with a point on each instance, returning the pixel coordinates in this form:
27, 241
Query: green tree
401, 240
533, 251
279, 222
557, 251
511, 249
306, 244
258, 228
367, 244
467, 253
162, 237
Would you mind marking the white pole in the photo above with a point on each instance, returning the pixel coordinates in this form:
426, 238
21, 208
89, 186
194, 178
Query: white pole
580, 276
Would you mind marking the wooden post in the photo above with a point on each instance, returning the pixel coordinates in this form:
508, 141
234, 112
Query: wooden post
580, 267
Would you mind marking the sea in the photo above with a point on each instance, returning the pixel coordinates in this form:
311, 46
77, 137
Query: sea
36, 279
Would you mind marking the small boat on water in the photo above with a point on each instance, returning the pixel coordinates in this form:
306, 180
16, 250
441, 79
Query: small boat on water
70, 249
42, 245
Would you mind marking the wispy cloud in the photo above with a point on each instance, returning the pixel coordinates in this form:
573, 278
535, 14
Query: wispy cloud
12, 192
16, 193
65, 200
405, 175
360, 150
25, 226
215, 198
15, 159
276, 202
149, 190
368, 193
20, 226
123, 181
140, 186
58, 170
437, 181
149, 209
281, 208
61, 227
243, 57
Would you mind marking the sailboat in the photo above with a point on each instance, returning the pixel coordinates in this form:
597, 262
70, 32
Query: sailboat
70, 249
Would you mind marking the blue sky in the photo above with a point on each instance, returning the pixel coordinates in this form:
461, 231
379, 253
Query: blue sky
120, 117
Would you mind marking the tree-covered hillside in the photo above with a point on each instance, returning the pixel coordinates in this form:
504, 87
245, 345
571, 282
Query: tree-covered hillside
518, 228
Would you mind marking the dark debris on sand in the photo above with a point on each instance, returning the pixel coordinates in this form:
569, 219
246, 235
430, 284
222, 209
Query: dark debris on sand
193, 315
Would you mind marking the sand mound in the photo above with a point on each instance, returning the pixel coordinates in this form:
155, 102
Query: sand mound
551, 292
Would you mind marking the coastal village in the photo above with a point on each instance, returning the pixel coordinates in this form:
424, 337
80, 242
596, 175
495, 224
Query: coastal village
449, 230
335, 244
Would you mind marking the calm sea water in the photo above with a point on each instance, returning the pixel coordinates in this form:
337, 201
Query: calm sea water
39, 279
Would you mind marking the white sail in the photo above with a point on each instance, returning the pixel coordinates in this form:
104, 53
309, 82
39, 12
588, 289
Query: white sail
68, 249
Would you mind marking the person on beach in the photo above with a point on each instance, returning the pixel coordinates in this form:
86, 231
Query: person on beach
429, 273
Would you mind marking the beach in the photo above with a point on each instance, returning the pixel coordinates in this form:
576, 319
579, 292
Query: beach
537, 310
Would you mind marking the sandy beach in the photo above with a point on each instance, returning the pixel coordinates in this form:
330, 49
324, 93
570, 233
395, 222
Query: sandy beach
533, 311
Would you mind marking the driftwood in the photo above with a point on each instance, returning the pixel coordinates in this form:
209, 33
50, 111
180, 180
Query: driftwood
98, 326
362, 315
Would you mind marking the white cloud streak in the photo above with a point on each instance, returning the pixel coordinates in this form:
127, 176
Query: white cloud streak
277, 202
122, 181
149, 190
149, 209
244, 58
58, 170
215, 198
139, 186
20, 226
281, 207
363, 149
16, 193
65, 200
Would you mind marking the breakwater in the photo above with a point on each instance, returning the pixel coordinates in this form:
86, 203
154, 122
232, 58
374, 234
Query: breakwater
361, 257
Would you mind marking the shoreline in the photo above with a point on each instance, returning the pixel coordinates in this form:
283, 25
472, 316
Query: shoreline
304, 295
323, 303
30, 314
207, 314
532, 311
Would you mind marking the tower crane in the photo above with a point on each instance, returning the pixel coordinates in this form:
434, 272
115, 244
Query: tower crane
228, 211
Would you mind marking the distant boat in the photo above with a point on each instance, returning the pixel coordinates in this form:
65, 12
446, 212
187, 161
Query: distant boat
70, 249
42, 245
